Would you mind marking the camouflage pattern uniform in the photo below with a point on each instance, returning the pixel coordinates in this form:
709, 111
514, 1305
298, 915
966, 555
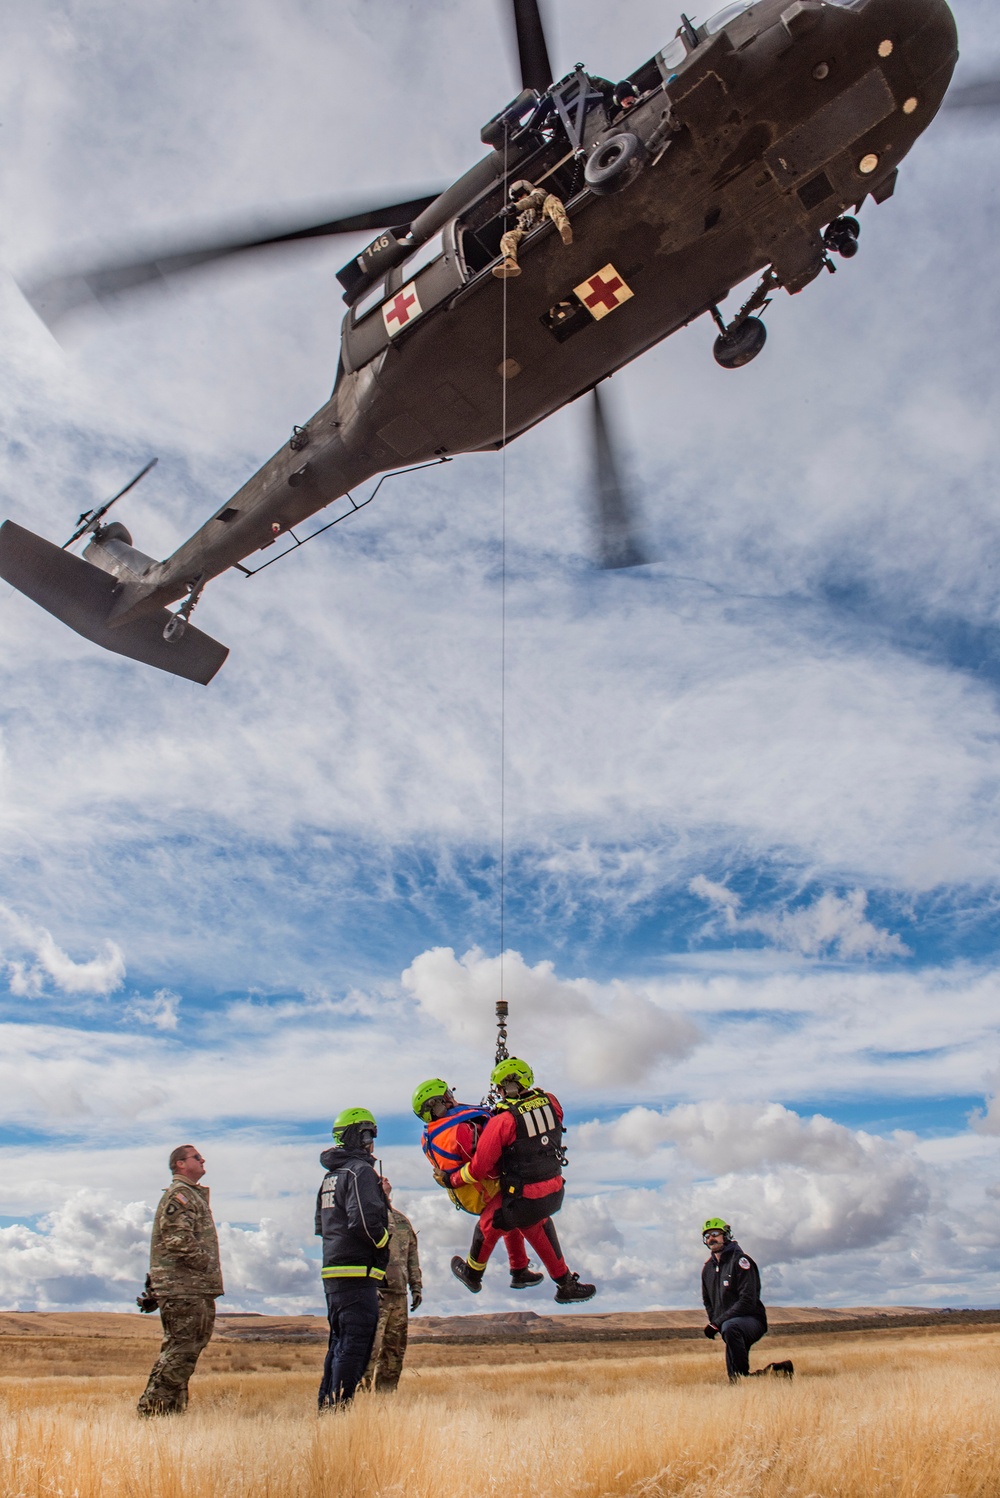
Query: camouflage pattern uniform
535, 206
386, 1362
186, 1278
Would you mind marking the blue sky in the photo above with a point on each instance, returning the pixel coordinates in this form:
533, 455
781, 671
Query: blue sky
751, 790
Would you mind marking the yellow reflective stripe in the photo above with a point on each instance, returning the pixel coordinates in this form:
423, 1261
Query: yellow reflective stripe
467, 1176
351, 1272
382, 1241
474, 1264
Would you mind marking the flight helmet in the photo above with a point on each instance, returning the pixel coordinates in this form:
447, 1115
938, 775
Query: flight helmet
353, 1126
425, 1093
716, 1225
512, 1066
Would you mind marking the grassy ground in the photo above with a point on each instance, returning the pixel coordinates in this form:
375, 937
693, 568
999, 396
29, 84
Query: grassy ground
883, 1416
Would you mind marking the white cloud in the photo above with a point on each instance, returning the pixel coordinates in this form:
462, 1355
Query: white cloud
49, 964
610, 1034
832, 923
160, 1011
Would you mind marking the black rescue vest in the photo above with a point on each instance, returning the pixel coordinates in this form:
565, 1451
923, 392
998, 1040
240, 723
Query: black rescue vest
536, 1154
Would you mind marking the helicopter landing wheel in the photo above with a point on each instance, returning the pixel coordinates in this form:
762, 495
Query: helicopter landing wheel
842, 235
734, 349
174, 628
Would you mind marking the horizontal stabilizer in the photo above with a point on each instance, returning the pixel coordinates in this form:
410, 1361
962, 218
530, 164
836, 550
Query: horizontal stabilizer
81, 595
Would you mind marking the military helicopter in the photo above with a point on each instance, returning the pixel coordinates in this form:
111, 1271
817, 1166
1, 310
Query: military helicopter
744, 147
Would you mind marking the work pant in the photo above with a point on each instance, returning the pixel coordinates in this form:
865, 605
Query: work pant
552, 208
352, 1310
389, 1348
187, 1328
739, 1334
542, 1237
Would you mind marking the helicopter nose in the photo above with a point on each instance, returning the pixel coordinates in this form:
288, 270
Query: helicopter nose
917, 44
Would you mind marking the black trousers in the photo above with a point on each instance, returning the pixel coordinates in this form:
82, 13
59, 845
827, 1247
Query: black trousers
739, 1334
352, 1309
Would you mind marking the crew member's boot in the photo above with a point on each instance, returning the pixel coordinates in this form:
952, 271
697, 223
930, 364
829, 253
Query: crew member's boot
508, 267
471, 1278
569, 1288
523, 1279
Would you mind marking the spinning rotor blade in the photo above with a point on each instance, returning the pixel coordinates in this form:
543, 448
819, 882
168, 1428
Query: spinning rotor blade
616, 523
982, 95
533, 54
91, 519
53, 298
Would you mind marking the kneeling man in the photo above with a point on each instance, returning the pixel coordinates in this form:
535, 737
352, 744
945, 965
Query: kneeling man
730, 1288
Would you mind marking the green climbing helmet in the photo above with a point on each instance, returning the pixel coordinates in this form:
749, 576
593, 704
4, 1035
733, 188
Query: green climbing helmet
432, 1088
716, 1225
348, 1116
512, 1066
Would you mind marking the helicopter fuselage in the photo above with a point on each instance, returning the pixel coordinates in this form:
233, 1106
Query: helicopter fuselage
761, 134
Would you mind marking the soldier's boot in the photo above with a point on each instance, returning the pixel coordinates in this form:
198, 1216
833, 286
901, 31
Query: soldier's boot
523, 1279
569, 1289
387, 1386
471, 1278
507, 268
785, 1369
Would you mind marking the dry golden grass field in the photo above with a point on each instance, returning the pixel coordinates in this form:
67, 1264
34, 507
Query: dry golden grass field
888, 1414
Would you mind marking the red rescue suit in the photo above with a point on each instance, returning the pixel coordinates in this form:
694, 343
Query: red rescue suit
450, 1140
511, 1150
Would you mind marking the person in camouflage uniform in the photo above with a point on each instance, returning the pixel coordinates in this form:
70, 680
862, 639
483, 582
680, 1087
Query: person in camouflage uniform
186, 1278
532, 205
403, 1272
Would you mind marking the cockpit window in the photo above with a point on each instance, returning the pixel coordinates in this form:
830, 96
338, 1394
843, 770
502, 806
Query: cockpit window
672, 56
723, 17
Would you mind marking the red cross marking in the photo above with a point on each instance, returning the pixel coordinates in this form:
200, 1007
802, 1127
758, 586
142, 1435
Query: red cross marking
603, 291
400, 309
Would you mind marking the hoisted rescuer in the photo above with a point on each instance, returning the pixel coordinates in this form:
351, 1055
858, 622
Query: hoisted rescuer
352, 1217
451, 1133
522, 1147
730, 1289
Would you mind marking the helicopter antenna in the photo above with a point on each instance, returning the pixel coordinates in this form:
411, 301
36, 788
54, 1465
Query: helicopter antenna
91, 519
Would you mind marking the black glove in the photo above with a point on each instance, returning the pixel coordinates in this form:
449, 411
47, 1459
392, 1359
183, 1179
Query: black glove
711, 1332
147, 1301
415, 1299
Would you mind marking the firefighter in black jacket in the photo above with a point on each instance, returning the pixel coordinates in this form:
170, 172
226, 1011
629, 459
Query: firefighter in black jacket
730, 1288
352, 1217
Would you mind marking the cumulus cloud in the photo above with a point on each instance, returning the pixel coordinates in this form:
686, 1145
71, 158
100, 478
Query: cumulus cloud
610, 1033
92, 1252
48, 965
160, 1011
834, 924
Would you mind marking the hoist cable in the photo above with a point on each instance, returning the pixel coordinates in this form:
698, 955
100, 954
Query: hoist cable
503, 603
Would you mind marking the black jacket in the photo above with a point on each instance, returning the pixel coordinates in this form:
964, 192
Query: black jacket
352, 1217
731, 1286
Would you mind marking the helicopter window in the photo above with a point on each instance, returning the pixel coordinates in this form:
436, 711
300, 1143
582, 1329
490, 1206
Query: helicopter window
370, 299
421, 257
672, 56
723, 17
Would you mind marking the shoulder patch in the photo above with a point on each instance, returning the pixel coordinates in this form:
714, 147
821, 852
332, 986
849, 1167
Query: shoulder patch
180, 1197
170, 1209
744, 1263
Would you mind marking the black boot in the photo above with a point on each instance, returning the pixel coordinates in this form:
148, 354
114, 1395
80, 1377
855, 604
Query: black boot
783, 1370
569, 1288
523, 1279
471, 1278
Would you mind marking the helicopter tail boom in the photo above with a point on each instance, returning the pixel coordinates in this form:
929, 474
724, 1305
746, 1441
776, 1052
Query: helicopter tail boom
82, 596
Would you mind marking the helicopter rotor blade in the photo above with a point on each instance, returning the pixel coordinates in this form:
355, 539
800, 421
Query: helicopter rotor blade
617, 525
532, 52
58, 295
90, 519
983, 94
